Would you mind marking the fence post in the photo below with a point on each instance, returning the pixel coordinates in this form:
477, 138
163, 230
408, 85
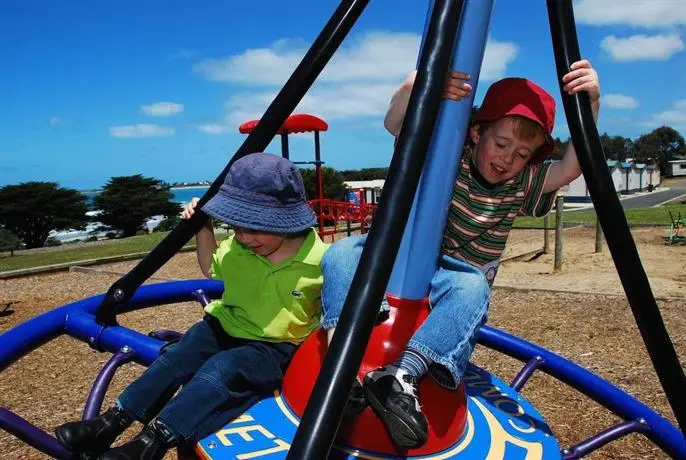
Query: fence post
546, 237
347, 225
598, 236
559, 205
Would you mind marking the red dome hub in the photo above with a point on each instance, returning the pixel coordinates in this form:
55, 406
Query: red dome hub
445, 410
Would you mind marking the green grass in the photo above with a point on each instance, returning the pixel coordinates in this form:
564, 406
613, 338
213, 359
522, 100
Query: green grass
638, 216
76, 252
145, 243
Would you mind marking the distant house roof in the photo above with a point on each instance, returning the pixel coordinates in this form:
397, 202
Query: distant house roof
627, 165
612, 163
376, 183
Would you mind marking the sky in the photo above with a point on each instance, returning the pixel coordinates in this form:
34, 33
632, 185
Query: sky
95, 89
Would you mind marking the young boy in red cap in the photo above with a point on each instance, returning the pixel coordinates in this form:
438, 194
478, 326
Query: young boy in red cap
502, 175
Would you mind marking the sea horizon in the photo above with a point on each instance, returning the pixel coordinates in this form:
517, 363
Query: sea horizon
180, 194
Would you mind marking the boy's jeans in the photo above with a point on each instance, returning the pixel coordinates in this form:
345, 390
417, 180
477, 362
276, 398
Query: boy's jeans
459, 296
222, 376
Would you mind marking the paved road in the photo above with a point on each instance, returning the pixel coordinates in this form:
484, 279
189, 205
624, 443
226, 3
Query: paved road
652, 199
676, 189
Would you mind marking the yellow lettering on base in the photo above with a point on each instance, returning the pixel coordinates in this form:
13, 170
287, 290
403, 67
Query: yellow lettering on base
500, 438
243, 432
243, 418
530, 429
281, 446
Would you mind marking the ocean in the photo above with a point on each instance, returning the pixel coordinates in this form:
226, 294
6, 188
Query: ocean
179, 195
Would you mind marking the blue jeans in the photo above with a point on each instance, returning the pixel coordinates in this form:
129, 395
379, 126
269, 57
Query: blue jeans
459, 295
222, 376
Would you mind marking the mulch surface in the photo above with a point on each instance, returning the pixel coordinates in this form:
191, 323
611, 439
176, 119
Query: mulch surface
49, 386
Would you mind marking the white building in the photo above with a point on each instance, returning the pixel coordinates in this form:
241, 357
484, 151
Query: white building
676, 168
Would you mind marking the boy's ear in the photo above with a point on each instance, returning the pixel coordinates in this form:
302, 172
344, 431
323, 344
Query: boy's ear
474, 135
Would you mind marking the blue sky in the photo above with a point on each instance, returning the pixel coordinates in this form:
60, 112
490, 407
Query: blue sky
94, 89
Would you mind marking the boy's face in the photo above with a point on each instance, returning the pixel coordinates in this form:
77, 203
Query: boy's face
262, 243
499, 152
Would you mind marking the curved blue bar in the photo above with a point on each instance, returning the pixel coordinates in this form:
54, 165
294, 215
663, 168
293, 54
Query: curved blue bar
30, 335
662, 432
418, 254
78, 319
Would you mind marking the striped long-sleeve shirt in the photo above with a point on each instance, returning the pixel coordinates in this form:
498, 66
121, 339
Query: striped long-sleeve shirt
481, 216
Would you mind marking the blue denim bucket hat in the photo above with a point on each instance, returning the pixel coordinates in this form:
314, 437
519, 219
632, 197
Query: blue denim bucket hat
262, 192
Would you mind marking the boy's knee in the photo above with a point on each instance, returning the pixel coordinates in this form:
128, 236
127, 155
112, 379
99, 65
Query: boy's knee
475, 285
343, 254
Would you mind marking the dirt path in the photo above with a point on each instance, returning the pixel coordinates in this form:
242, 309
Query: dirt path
50, 385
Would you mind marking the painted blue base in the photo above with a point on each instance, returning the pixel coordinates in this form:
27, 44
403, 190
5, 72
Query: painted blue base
500, 424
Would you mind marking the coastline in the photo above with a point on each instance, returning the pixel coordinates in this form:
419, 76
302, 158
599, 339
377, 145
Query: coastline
176, 187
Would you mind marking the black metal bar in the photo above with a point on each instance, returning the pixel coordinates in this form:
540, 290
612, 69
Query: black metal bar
609, 211
335, 30
598, 440
525, 373
284, 146
322, 415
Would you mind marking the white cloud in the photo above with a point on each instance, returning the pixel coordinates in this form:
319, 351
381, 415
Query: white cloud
497, 57
377, 56
358, 82
675, 116
637, 13
619, 101
642, 47
141, 130
162, 109
212, 128
183, 54
57, 121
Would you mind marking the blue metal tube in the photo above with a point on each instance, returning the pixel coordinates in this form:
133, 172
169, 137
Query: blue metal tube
82, 326
32, 435
102, 382
28, 336
662, 433
598, 440
416, 261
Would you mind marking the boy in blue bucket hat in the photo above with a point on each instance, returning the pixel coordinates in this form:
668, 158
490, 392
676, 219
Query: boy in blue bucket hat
238, 353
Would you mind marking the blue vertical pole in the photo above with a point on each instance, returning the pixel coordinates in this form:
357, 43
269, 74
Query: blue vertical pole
417, 258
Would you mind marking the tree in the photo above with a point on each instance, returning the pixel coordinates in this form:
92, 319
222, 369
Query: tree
364, 174
33, 209
616, 147
560, 148
662, 144
9, 241
334, 187
127, 201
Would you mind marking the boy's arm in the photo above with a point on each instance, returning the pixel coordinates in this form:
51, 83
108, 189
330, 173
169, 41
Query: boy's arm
206, 245
205, 242
581, 78
398, 106
456, 89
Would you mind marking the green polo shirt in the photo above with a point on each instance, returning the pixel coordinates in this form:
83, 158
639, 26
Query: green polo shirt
261, 301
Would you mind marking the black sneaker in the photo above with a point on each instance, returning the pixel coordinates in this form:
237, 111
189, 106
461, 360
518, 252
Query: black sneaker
356, 403
392, 393
149, 444
95, 435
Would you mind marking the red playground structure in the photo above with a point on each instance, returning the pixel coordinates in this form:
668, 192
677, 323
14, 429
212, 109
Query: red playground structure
331, 214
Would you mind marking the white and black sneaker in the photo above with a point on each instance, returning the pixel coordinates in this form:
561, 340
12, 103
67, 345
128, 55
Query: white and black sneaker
392, 393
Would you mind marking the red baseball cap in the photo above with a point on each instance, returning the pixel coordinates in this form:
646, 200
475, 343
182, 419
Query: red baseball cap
524, 98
